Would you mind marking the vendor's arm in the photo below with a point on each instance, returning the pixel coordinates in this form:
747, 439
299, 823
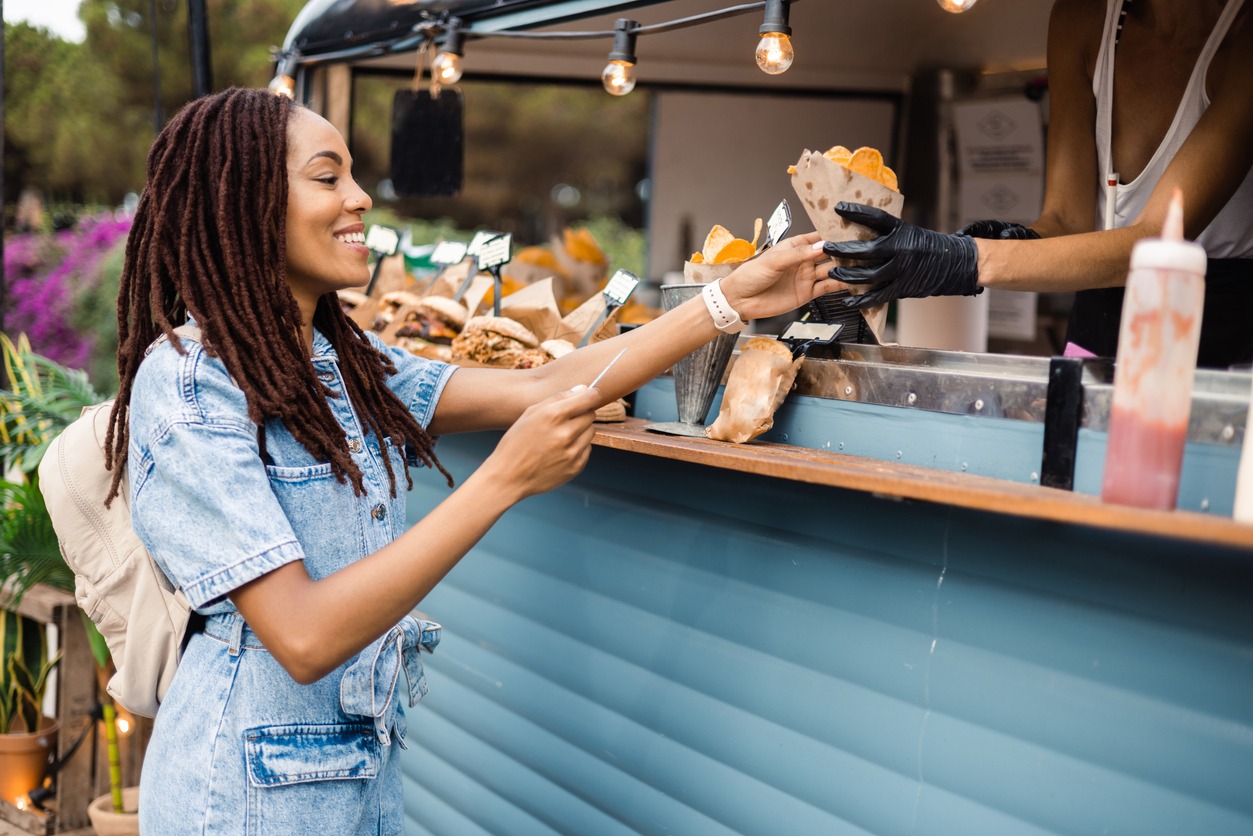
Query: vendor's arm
780, 280
1208, 168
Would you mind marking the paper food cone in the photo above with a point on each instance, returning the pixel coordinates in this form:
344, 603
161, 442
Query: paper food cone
706, 273
820, 183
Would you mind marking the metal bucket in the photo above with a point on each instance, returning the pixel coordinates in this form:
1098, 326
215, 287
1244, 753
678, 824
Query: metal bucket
698, 375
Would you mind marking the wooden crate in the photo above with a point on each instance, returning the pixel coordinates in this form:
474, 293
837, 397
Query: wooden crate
85, 775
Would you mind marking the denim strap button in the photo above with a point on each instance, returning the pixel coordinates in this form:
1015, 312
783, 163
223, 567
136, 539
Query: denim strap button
354, 445
379, 512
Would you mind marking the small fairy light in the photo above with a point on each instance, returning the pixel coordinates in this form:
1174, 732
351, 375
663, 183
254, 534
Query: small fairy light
957, 6
446, 67
284, 82
618, 76
774, 51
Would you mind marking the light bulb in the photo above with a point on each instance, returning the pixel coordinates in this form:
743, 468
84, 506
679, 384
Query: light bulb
618, 77
956, 6
446, 68
774, 53
283, 85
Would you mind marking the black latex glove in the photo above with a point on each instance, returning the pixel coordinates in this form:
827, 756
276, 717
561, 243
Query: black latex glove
904, 261
998, 229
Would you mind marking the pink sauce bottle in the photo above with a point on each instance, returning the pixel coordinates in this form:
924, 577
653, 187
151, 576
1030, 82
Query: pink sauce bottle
1155, 367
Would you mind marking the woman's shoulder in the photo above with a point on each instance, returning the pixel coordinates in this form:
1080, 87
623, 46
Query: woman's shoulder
187, 385
1074, 41
1232, 66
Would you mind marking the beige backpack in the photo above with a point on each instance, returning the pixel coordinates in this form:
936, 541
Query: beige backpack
116, 582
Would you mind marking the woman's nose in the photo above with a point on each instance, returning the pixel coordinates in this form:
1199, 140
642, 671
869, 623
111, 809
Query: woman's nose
360, 202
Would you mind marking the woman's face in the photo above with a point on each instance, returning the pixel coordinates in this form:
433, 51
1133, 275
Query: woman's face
325, 236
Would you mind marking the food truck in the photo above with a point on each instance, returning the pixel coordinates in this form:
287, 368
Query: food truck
903, 609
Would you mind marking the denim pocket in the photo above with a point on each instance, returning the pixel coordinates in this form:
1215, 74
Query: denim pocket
308, 777
281, 755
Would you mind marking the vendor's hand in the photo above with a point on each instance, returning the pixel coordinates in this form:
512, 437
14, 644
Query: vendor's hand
904, 261
1004, 230
547, 446
780, 280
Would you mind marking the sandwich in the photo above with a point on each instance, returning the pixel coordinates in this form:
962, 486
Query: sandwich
499, 341
433, 319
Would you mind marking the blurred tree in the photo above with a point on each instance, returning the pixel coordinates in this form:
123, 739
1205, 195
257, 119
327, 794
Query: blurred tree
80, 117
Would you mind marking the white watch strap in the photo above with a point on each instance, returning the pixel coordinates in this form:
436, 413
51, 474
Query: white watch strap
726, 319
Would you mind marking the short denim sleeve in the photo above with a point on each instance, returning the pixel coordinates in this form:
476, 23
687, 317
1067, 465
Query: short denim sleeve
200, 497
418, 382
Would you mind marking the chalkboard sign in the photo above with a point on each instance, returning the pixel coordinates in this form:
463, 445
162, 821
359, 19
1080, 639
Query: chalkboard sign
428, 143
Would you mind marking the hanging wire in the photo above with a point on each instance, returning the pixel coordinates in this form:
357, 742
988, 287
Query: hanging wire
428, 30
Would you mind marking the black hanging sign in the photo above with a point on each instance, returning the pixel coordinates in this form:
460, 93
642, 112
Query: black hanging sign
428, 148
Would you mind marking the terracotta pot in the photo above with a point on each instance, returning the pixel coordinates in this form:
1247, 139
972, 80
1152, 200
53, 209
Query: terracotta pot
24, 759
108, 823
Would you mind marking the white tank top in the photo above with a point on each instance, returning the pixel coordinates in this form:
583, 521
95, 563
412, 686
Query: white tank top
1230, 234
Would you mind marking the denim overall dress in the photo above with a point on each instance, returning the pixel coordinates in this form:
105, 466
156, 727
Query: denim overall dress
238, 747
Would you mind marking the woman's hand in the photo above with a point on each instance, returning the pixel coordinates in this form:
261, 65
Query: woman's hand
779, 280
547, 446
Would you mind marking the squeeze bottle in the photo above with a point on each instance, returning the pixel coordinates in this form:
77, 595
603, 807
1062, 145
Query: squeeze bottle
1244, 476
1155, 368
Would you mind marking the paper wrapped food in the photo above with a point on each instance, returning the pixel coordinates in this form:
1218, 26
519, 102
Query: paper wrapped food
759, 382
426, 327
721, 253
823, 179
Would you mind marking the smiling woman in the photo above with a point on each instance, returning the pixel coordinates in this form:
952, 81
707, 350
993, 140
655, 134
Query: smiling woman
263, 463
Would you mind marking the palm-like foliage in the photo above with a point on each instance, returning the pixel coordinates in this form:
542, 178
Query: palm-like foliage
42, 398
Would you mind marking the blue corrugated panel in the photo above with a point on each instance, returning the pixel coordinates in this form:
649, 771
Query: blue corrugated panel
666, 648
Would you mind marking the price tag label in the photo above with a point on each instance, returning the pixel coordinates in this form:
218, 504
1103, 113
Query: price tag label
480, 238
447, 253
495, 252
620, 287
382, 239
780, 222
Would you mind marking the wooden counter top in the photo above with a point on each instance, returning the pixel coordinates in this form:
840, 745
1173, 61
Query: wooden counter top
906, 481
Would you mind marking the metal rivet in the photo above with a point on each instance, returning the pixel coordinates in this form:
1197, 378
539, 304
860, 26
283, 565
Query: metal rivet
1228, 433
979, 404
354, 445
912, 398
964, 466
784, 437
1205, 504
898, 454
841, 445
1035, 477
848, 390
379, 512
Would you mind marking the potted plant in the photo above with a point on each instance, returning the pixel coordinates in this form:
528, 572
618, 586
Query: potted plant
43, 397
27, 738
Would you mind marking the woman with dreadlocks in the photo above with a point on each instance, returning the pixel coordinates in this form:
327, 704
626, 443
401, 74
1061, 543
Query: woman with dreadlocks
264, 459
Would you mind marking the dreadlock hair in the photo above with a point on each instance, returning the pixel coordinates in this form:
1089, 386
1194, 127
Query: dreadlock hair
209, 241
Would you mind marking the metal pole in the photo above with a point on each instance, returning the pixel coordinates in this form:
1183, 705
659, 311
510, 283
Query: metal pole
158, 118
198, 35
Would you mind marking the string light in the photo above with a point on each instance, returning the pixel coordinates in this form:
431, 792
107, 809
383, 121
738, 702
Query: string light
956, 6
446, 68
619, 74
774, 50
284, 83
